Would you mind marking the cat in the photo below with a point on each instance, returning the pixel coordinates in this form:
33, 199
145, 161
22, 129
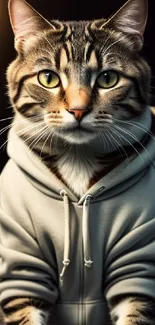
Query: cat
79, 92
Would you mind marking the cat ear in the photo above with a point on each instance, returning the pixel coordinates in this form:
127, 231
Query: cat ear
26, 21
131, 18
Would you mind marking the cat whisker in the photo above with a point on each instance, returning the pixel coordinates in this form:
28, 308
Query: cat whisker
47, 138
138, 126
113, 141
52, 144
29, 128
6, 119
106, 42
46, 39
118, 133
8, 107
33, 144
50, 147
54, 140
117, 130
110, 140
14, 122
4, 144
109, 47
135, 138
36, 131
114, 54
119, 145
103, 139
6, 128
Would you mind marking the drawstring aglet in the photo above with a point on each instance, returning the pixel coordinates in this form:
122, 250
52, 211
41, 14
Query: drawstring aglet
88, 263
65, 263
86, 236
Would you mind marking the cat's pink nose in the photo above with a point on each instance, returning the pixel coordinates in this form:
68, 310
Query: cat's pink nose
78, 113
78, 101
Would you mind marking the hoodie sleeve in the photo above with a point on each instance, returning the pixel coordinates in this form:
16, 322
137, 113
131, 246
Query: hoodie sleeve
130, 265
24, 271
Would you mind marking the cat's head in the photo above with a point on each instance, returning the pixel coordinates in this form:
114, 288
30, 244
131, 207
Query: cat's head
76, 79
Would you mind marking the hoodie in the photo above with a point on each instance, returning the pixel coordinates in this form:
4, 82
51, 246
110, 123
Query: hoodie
78, 253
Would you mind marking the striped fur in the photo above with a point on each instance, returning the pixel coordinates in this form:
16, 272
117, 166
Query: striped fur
127, 311
78, 52
50, 120
25, 311
134, 311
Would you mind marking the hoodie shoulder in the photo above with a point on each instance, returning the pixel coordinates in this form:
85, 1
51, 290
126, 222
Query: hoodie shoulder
13, 188
12, 178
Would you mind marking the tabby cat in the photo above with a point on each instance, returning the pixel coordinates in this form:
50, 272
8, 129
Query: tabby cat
73, 81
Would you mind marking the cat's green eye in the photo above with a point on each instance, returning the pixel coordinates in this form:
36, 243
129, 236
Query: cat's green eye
108, 79
48, 79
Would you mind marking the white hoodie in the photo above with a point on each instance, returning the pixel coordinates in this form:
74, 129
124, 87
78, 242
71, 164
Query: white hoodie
105, 239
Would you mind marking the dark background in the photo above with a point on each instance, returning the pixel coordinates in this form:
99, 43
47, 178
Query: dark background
64, 10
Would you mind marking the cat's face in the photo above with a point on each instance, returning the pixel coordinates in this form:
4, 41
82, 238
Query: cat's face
77, 79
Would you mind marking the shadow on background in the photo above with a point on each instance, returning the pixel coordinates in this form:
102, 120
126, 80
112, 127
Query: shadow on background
64, 10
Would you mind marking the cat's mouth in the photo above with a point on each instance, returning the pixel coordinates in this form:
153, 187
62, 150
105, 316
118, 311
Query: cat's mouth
76, 134
76, 129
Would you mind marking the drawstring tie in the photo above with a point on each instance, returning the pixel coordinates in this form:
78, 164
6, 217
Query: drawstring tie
85, 234
66, 260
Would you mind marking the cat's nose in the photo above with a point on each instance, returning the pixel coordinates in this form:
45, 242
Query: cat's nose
78, 113
78, 101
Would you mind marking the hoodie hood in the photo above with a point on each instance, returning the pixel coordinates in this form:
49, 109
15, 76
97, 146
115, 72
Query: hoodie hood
48, 183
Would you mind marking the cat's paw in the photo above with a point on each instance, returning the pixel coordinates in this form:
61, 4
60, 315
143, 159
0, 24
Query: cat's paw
133, 311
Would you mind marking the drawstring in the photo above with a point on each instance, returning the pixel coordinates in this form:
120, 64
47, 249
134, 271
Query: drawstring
66, 259
85, 232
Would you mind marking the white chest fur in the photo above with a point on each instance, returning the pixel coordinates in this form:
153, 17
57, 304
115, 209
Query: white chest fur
77, 169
